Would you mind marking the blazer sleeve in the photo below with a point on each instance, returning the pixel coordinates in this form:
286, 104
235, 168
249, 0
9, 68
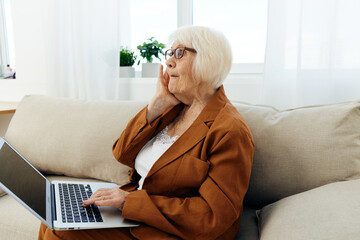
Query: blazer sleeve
138, 132
220, 199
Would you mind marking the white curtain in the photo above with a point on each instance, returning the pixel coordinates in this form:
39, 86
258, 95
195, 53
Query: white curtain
82, 41
312, 52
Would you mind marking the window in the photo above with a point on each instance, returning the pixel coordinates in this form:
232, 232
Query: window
242, 21
152, 18
7, 56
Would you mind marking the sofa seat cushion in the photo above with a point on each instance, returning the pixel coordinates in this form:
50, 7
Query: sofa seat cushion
71, 137
329, 212
300, 149
16, 222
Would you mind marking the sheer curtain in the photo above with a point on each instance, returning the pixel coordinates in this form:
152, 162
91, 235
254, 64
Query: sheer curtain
312, 52
82, 41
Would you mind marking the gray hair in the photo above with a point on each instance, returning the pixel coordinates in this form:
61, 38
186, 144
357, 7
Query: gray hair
213, 59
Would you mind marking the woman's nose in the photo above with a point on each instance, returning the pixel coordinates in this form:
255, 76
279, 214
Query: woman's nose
170, 62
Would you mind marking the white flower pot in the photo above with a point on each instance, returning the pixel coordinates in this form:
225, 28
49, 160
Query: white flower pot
127, 72
150, 69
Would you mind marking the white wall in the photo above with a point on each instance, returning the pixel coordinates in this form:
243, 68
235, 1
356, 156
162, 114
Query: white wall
30, 62
28, 40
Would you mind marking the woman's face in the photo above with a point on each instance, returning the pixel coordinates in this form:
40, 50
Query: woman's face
181, 80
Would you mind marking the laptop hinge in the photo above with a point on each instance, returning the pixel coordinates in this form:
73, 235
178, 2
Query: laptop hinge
53, 208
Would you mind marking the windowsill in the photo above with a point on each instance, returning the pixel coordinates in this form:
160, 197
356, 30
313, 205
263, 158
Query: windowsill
236, 68
244, 87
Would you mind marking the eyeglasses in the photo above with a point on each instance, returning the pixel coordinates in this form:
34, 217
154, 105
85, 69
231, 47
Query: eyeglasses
178, 52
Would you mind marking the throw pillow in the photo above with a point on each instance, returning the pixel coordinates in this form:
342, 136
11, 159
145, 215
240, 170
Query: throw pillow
330, 212
300, 149
71, 137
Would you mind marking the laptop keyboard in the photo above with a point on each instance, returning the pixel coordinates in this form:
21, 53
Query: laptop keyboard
71, 201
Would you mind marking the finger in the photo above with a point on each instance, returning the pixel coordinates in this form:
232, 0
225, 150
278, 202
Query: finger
93, 199
167, 78
164, 77
108, 202
101, 192
88, 202
161, 69
96, 193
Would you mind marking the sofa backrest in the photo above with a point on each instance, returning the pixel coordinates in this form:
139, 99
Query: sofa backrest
300, 149
71, 137
295, 150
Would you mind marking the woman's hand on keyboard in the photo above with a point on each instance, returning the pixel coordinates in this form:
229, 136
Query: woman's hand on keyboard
108, 197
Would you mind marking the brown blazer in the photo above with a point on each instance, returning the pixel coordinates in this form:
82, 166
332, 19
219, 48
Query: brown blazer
195, 190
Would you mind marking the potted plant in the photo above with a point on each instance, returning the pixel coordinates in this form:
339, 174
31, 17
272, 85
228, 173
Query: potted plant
148, 50
127, 60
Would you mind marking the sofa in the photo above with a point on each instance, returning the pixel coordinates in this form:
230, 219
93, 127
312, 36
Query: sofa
305, 181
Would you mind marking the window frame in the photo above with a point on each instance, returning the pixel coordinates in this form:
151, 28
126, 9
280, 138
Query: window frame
185, 17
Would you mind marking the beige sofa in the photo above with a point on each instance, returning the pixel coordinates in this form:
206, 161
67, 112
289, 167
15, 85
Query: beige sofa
304, 184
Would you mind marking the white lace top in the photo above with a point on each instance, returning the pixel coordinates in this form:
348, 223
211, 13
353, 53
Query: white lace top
151, 152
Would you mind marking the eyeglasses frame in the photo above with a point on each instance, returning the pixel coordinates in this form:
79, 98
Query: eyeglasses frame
185, 49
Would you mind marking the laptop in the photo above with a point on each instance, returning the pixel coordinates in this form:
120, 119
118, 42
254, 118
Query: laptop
58, 204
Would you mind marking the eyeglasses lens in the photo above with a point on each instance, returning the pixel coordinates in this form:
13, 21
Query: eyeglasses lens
179, 52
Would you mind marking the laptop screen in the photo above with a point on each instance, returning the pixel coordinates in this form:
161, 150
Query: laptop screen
22, 180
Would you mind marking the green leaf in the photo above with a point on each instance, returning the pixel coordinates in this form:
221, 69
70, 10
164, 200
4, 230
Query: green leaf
151, 48
127, 57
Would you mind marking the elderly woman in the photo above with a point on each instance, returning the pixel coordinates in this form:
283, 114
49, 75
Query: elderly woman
189, 149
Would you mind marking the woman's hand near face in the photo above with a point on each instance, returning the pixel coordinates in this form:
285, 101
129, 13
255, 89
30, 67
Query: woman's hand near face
108, 197
163, 99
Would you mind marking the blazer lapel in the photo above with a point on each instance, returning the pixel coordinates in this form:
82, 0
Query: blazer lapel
194, 134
